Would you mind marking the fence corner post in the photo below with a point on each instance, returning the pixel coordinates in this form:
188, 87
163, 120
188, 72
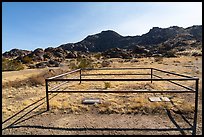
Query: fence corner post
196, 108
47, 97
80, 75
151, 74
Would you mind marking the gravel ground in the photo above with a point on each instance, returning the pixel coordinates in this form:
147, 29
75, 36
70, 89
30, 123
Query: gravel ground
58, 123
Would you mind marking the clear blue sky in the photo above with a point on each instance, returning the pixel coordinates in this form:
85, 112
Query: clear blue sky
31, 25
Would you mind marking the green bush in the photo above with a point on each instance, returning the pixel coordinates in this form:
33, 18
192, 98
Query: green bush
26, 60
47, 55
170, 54
73, 65
107, 85
11, 65
158, 59
81, 63
97, 56
85, 63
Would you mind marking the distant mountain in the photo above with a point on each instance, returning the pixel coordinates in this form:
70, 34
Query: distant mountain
96, 43
156, 41
195, 31
110, 39
15, 53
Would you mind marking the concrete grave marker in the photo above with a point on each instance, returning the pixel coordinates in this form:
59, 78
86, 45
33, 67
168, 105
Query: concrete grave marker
154, 99
91, 100
166, 99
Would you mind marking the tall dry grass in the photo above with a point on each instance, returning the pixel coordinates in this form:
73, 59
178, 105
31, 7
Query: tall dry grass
33, 80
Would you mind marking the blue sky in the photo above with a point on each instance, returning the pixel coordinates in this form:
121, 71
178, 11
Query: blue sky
31, 25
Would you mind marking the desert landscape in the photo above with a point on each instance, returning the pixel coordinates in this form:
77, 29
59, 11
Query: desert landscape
103, 44
24, 103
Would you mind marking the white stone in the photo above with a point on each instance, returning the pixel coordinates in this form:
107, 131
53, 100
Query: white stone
166, 99
91, 100
154, 99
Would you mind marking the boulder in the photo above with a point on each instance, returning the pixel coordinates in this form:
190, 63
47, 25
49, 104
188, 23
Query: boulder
105, 63
139, 50
53, 63
49, 49
41, 65
71, 55
38, 51
117, 53
15, 53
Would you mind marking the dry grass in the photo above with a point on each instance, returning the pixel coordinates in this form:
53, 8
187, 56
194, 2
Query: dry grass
113, 104
192, 52
107, 85
183, 106
20, 93
33, 80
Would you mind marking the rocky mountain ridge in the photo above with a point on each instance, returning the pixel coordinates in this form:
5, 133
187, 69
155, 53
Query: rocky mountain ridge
110, 39
158, 41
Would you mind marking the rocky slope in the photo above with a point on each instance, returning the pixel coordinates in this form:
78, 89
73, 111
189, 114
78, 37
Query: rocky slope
110, 39
158, 41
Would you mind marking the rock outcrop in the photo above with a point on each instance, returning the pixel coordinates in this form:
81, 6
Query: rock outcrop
158, 41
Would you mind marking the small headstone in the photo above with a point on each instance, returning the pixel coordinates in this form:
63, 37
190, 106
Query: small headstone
154, 99
166, 99
91, 100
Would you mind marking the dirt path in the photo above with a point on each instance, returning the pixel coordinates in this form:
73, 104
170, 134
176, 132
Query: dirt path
19, 75
23, 74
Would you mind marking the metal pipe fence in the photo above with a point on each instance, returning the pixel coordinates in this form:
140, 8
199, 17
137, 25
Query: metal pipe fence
80, 79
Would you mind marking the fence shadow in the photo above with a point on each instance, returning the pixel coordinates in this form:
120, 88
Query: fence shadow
34, 104
175, 123
101, 129
177, 127
22, 118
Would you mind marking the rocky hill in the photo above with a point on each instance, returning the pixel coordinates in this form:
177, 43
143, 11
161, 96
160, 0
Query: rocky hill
15, 53
110, 39
158, 41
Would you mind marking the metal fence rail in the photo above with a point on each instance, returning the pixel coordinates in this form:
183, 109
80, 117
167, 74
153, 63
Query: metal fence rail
151, 74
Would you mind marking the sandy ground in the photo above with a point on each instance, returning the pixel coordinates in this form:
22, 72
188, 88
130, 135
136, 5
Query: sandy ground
35, 120
19, 75
102, 124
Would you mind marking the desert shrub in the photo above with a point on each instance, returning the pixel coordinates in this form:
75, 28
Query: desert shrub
170, 54
36, 80
15, 84
134, 60
33, 80
81, 63
26, 59
197, 54
11, 65
184, 53
190, 53
97, 55
73, 65
107, 85
85, 63
158, 59
47, 56
105, 63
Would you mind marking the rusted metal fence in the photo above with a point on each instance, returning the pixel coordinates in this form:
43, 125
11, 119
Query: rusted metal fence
153, 77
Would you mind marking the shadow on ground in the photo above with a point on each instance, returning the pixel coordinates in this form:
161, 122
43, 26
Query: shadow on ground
37, 104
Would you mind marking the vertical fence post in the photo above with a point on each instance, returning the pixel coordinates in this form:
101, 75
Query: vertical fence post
47, 97
80, 75
151, 74
196, 109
